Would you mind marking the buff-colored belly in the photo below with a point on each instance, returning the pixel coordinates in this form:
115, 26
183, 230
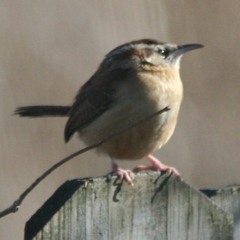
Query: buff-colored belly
139, 141
136, 105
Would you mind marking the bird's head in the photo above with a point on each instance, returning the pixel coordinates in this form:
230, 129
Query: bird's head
147, 54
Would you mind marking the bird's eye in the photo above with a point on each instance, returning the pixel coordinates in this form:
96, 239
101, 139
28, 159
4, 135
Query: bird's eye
163, 52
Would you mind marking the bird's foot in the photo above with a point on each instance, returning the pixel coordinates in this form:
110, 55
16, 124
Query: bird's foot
157, 166
124, 175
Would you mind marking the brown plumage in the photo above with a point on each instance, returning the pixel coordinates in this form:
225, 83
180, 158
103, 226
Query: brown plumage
134, 81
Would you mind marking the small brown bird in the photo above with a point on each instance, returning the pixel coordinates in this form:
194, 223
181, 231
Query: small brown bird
133, 81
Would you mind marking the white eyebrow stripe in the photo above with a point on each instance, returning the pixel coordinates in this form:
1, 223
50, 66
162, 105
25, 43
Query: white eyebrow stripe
144, 45
130, 46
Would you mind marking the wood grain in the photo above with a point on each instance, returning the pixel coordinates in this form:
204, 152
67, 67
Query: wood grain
157, 207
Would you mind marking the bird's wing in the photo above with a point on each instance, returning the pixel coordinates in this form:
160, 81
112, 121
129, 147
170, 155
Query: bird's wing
94, 98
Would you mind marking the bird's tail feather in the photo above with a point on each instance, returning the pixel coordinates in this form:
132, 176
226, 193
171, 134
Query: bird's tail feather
43, 111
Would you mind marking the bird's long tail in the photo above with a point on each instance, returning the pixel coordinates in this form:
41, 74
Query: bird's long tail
43, 111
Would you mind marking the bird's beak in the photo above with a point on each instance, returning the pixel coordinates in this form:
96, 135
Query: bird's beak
185, 48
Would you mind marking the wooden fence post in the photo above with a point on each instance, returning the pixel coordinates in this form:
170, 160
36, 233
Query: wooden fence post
157, 207
228, 198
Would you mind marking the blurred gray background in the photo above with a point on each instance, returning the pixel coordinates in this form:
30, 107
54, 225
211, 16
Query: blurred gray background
48, 49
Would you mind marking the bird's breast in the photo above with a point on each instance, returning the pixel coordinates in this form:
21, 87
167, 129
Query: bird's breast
136, 101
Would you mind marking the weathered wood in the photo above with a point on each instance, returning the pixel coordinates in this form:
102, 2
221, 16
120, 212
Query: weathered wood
228, 198
157, 207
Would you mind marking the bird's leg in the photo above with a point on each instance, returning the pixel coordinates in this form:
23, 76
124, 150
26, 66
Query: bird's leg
157, 166
123, 174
